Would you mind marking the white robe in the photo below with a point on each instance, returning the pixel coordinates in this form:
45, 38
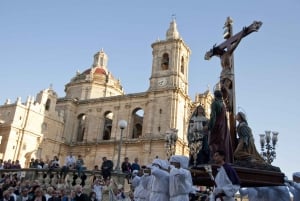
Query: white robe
295, 190
160, 185
146, 182
224, 184
278, 193
181, 184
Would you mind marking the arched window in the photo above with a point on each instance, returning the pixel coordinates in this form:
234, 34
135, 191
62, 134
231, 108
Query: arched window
165, 62
138, 117
47, 106
182, 65
81, 119
108, 119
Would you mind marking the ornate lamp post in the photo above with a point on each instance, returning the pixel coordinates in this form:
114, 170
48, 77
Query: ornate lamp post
268, 144
122, 125
170, 142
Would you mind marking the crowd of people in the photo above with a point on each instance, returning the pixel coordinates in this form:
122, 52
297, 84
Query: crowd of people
159, 180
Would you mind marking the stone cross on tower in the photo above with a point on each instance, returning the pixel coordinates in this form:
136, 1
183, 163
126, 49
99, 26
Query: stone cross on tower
227, 82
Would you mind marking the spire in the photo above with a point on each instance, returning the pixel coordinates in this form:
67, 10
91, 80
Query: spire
172, 32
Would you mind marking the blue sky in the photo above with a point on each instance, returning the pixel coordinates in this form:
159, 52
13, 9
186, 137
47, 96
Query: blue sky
46, 42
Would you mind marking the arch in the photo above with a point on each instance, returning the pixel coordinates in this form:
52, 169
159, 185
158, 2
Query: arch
165, 61
108, 120
81, 119
48, 103
137, 122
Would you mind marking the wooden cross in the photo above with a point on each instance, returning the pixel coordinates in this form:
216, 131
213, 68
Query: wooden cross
225, 52
254, 27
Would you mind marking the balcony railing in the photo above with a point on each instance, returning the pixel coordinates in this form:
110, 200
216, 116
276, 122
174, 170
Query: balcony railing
55, 177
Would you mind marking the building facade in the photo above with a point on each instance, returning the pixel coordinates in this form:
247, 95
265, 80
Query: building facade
85, 121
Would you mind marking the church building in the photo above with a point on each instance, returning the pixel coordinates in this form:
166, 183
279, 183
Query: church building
85, 121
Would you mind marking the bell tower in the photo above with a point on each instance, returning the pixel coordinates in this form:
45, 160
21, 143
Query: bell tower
170, 62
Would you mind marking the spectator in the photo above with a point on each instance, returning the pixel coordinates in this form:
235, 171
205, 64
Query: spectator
106, 168
95, 170
32, 163
80, 196
24, 195
97, 187
38, 194
41, 163
92, 196
6, 196
12, 193
8, 164
17, 165
54, 164
120, 192
1, 165
126, 168
70, 162
135, 165
55, 196
66, 195
49, 192
79, 165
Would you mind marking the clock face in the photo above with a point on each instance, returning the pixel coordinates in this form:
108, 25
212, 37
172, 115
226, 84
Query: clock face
162, 82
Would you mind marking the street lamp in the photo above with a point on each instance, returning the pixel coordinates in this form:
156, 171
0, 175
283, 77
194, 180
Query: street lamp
170, 142
267, 142
122, 124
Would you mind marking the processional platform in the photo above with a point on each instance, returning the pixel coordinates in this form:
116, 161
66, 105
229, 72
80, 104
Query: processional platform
249, 177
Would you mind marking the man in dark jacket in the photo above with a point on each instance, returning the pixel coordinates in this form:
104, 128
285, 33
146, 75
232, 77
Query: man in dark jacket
106, 168
80, 196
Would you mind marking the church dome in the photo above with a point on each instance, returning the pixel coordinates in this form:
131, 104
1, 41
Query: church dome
95, 71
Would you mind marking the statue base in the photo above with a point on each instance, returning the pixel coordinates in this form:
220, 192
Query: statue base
251, 175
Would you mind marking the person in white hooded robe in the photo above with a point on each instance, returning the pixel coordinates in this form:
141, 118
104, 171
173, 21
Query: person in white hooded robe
294, 186
140, 193
146, 181
181, 183
266, 193
160, 184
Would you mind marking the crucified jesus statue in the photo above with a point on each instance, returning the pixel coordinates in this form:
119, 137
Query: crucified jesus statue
226, 77
225, 52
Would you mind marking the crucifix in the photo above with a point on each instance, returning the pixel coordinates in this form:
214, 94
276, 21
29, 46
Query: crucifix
227, 82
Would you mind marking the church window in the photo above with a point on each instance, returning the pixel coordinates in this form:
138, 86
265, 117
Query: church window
138, 118
165, 62
47, 106
108, 120
182, 65
81, 119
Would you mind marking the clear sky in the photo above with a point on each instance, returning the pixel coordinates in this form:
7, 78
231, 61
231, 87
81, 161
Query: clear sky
46, 42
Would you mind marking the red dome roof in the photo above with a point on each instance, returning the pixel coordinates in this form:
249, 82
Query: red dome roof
97, 71
100, 71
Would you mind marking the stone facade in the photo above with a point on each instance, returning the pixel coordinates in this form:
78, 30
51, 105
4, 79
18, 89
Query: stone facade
85, 121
